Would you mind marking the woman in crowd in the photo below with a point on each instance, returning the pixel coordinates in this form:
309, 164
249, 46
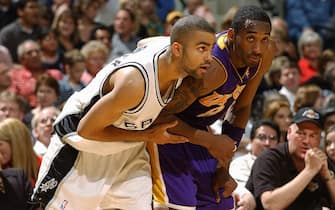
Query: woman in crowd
279, 111
16, 148
330, 143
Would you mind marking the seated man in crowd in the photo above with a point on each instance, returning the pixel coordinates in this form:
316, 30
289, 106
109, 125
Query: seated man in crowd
296, 174
264, 134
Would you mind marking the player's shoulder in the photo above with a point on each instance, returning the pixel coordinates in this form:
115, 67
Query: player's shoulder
221, 40
152, 41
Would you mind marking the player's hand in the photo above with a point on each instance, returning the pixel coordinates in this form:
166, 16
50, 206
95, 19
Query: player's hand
159, 134
222, 147
223, 180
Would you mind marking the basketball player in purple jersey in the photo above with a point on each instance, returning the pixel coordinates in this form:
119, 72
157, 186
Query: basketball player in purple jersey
184, 174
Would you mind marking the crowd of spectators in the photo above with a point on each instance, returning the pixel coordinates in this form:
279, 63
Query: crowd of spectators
50, 49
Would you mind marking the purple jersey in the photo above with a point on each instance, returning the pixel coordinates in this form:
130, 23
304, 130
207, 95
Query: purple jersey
183, 173
209, 108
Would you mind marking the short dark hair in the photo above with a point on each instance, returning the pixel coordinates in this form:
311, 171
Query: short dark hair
268, 123
100, 27
187, 25
249, 12
48, 80
21, 4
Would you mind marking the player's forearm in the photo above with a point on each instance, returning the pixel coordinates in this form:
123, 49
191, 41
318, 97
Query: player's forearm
243, 114
111, 133
282, 197
194, 135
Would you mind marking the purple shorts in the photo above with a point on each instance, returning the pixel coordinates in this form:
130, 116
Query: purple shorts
185, 180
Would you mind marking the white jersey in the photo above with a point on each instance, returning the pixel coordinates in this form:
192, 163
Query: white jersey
145, 60
77, 173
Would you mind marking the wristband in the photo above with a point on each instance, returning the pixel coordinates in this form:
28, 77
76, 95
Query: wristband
233, 132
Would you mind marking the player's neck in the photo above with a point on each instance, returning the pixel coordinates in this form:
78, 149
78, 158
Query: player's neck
235, 57
168, 68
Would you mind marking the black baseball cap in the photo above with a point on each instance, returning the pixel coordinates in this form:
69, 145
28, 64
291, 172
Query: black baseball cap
308, 115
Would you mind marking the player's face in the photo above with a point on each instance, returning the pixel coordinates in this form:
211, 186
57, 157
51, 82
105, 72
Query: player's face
197, 54
252, 42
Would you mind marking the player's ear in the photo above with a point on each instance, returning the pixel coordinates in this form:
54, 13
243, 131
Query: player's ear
231, 34
177, 49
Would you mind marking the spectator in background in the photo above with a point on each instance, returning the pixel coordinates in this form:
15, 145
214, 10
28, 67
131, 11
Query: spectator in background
171, 18
133, 5
264, 134
205, 12
104, 35
330, 143
149, 19
47, 94
326, 59
308, 96
163, 7
25, 27
310, 15
329, 76
279, 111
191, 5
6, 64
5, 80
96, 54
55, 5
283, 43
15, 189
228, 18
52, 58
85, 18
12, 106
7, 13
65, 26
310, 48
271, 80
24, 79
295, 174
328, 113
124, 38
74, 64
45, 17
290, 80
42, 128
17, 149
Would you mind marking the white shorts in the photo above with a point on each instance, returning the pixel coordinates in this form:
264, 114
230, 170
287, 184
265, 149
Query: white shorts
121, 180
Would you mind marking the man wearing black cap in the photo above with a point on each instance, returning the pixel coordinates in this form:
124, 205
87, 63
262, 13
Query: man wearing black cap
296, 174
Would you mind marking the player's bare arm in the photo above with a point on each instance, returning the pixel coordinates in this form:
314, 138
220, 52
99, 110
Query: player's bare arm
95, 124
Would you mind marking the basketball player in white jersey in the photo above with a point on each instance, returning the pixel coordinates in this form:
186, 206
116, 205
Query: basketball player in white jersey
97, 157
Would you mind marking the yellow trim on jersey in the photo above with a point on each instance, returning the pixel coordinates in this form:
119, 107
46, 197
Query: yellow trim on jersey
157, 179
221, 41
